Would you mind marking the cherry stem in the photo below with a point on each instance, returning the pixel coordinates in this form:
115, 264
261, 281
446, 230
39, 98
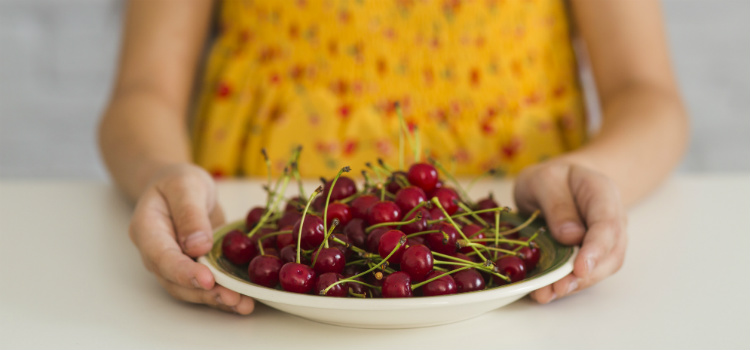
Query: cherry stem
345, 169
401, 242
268, 170
428, 204
532, 238
436, 201
384, 166
445, 235
367, 181
403, 133
417, 285
302, 220
472, 213
363, 253
498, 240
379, 172
456, 216
501, 250
325, 241
271, 209
462, 193
395, 223
497, 230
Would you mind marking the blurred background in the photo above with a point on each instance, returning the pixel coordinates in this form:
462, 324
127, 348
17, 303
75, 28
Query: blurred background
57, 61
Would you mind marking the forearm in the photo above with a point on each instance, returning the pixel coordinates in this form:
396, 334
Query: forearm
643, 137
139, 134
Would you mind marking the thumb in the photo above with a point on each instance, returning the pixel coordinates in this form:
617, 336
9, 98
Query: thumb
190, 201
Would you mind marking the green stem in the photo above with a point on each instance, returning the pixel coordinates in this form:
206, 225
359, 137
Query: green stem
445, 235
462, 193
401, 242
473, 214
394, 223
436, 202
417, 207
271, 209
415, 286
302, 220
345, 169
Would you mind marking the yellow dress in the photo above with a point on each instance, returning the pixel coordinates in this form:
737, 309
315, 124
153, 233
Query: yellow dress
486, 84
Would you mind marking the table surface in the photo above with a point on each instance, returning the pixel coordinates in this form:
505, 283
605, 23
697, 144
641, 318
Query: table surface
72, 279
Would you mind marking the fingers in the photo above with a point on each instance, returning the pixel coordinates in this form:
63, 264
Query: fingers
217, 297
191, 201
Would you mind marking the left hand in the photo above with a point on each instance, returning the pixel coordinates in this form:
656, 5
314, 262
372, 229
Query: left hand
581, 206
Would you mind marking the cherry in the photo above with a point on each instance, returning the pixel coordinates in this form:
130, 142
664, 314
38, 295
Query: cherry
468, 281
371, 279
289, 218
397, 285
253, 217
360, 206
328, 279
342, 247
511, 266
296, 278
355, 231
423, 175
385, 211
318, 204
358, 288
271, 252
463, 257
414, 240
409, 197
504, 226
447, 197
285, 239
264, 270
344, 188
294, 204
392, 185
438, 186
351, 270
419, 225
328, 260
442, 286
437, 214
268, 242
288, 254
388, 243
437, 240
417, 262
529, 255
373, 239
238, 248
313, 233
472, 232
339, 211
487, 203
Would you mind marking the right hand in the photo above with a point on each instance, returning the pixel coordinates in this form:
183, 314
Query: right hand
171, 225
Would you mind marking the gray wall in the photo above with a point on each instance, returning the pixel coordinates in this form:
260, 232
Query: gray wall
57, 60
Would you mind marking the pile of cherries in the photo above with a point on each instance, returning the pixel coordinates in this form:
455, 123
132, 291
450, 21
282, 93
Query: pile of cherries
409, 234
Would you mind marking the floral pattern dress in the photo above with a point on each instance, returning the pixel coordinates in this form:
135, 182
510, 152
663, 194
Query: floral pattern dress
484, 84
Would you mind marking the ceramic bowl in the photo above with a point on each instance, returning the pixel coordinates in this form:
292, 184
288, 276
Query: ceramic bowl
555, 263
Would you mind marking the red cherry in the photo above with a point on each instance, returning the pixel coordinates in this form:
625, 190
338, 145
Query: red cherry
358, 288
442, 286
472, 232
296, 278
264, 270
285, 239
437, 214
468, 281
344, 188
328, 279
511, 266
504, 226
289, 218
268, 242
410, 241
423, 175
253, 217
355, 231
338, 211
238, 248
392, 185
462, 256
328, 260
342, 247
417, 261
373, 239
397, 285
295, 204
360, 206
385, 211
318, 204
271, 252
409, 197
529, 255
487, 203
438, 186
438, 242
388, 243
288, 254
312, 232
447, 197
419, 225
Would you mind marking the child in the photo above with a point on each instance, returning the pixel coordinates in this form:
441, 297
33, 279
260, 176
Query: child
491, 84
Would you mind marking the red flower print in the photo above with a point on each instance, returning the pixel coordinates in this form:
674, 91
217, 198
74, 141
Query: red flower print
451, 6
333, 47
297, 72
268, 54
382, 66
245, 36
462, 156
487, 127
389, 33
516, 68
275, 78
475, 76
480, 41
314, 119
411, 124
567, 122
345, 16
325, 147
429, 75
344, 111
384, 147
532, 99
559, 91
218, 173
544, 125
340, 87
223, 90
294, 31
510, 149
349, 147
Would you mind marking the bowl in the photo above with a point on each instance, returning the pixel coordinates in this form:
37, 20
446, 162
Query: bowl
556, 262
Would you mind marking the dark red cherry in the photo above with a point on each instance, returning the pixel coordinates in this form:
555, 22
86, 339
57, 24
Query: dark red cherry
511, 266
351, 270
358, 288
392, 185
468, 281
289, 218
463, 256
438, 242
327, 279
360, 206
529, 255
339, 211
312, 232
436, 214
355, 231
472, 231
328, 260
296, 278
410, 241
264, 270
253, 217
423, 175
295, 204
504, 226
438, 186
288, 254
409, 197
385, 211
373, 239
447, 197
442, 286
344, 188
285, 239
487, 203
318, 204
397, 285
417, 261
342, 247
271, 252
419, 225
238, 248
262, 235
388, 243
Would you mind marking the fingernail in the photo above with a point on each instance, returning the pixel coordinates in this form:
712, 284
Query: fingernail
571, 228
553, 297
572, 286
218, 300
195, 283
195, 239
590, 264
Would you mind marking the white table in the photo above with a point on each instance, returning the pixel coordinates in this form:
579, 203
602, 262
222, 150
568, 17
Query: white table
72, 279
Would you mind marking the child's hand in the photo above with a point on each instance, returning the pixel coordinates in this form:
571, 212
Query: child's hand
581, 206
172, 224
